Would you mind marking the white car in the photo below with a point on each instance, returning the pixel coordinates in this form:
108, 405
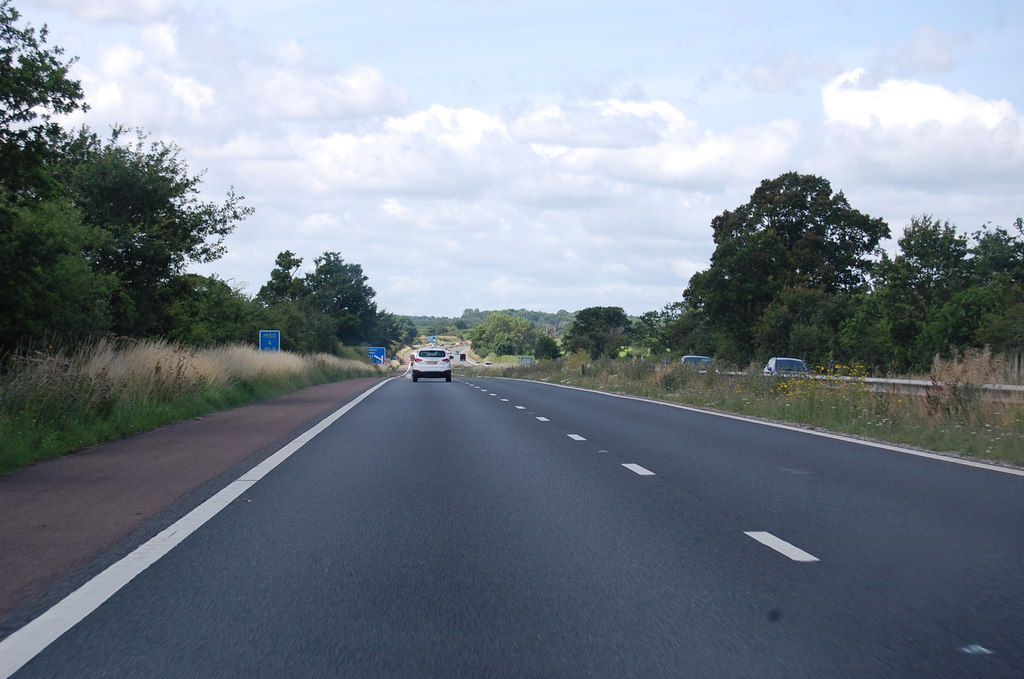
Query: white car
431, 362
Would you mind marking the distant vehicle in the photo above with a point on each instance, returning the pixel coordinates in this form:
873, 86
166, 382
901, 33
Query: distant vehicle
697, 361
488, 363
780, 365
431, 362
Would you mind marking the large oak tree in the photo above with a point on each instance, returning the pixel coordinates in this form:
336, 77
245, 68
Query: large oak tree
794, 233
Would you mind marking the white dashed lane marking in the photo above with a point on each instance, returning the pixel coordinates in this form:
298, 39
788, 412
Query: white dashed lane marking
782, 547
767, 539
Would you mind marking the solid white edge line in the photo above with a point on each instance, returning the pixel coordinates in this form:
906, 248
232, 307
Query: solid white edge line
778, 425
637, 469
23, 645
781, 546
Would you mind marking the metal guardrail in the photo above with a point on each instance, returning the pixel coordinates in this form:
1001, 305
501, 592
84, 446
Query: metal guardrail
1011, 392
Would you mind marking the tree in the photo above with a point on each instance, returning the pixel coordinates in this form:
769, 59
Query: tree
297, 332
794, 233
956, 324
802, 322
600, 331
932, 264
930, 268
339, 301
207, 310
997, 253
503, 334
865, 336
1003, 330
744, 277
46, 287
34, 86
663, 332
391, 331
48, 291
284, 285
827, 245
145, 205
546, 347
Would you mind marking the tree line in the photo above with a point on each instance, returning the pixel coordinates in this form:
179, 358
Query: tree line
551, 324
797, 271
97, 233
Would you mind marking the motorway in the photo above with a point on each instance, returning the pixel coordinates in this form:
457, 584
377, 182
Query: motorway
493, 528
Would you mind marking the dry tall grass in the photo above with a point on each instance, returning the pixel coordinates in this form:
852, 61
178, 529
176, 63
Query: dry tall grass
959, 381
145, 364
53, 403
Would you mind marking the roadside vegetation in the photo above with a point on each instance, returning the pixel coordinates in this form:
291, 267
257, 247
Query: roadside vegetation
53, 403
957, 418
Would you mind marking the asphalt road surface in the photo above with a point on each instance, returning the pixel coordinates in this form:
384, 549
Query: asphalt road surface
497, 528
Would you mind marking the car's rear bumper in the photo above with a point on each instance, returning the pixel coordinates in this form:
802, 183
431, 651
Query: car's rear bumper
431, 373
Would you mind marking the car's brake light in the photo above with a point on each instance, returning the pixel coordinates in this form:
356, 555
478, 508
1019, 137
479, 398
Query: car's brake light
418, 359
446, 360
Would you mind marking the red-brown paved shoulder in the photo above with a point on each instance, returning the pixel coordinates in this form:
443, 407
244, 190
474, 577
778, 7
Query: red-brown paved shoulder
59, 515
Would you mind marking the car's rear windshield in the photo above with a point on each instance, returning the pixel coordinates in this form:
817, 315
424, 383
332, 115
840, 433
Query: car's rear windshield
791, 364
432, 353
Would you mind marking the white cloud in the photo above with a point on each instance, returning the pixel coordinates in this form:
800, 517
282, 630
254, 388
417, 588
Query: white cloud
602, 124
290, 91
907, 103
160, 39
440, 151
194, 95
917, 135
121, 61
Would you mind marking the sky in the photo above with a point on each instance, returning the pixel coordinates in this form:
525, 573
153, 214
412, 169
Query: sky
551, 154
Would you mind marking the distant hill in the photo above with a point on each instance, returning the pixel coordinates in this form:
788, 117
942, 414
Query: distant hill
436, 325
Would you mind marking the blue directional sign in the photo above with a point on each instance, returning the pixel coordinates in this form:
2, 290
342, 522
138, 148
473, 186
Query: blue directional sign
432, 339
270, 340
377, 354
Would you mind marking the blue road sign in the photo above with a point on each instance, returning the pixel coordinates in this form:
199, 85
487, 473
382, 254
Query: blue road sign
377, 354
432, 339
270, 340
